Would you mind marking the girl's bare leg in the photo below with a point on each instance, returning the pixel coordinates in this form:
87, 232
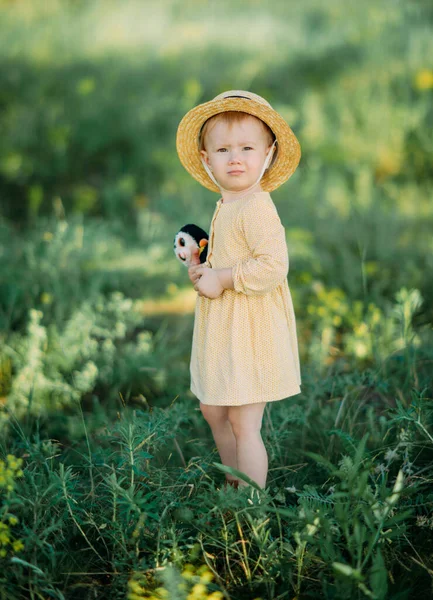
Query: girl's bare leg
217, 417
252, 457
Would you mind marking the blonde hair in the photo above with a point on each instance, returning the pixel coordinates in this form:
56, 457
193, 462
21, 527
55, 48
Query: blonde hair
229, 117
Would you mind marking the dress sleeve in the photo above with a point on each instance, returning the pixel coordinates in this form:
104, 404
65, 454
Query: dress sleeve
266, 239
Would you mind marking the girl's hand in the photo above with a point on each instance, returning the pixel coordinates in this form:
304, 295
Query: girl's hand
195, 261
207, 282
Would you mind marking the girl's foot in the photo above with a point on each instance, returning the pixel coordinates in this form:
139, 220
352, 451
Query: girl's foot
233, 482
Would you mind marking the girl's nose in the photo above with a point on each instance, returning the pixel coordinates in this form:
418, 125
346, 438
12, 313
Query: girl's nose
234, 157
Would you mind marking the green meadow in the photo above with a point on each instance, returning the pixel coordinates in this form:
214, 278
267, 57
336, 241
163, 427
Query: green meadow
111, 486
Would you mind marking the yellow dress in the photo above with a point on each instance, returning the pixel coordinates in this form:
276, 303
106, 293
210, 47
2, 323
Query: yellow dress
244, 345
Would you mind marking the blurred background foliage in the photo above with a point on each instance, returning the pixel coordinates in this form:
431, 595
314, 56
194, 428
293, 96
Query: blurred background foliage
92, 191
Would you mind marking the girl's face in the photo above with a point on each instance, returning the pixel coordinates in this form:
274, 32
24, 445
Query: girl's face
235, 153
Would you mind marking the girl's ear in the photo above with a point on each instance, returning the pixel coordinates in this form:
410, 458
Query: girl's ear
205, 157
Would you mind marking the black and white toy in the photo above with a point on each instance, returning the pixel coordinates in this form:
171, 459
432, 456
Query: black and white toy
186, 240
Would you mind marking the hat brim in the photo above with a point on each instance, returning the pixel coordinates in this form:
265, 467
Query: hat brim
187, 140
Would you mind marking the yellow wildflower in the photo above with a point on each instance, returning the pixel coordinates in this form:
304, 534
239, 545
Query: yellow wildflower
206, 577
17, 545
46, 298
424, 79
197, 591
4, 537
135, 587
188, 572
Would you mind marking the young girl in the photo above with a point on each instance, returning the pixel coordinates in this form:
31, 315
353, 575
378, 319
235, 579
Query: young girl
244, 347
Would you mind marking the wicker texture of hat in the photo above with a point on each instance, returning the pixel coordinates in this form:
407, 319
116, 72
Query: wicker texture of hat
188, 137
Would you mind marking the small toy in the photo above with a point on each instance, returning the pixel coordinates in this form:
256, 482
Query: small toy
186, 240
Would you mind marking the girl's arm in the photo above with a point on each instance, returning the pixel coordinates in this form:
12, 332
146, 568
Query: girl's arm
266, 238
225, 277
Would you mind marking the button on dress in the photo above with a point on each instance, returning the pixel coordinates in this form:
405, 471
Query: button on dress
244, 344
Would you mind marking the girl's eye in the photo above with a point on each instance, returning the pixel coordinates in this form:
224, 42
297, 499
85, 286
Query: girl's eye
245, 148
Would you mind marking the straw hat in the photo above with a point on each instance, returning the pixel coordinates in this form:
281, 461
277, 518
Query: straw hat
187, 139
